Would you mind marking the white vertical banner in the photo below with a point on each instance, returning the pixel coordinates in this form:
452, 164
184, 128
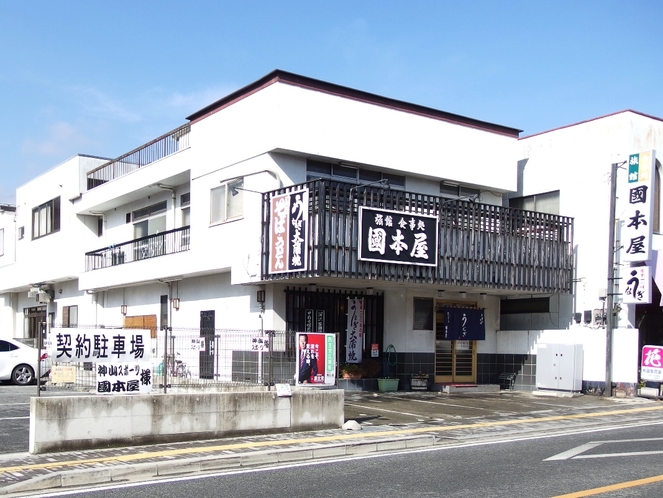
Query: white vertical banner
355, 330
639, 212
638, 286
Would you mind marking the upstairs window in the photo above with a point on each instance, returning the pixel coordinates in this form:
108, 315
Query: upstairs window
46, 218
320, 169
151, 210
227, 202
547, 202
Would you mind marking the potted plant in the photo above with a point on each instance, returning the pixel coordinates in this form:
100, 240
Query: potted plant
351, 371
388, 384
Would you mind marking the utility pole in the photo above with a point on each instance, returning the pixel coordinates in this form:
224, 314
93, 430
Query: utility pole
610, 294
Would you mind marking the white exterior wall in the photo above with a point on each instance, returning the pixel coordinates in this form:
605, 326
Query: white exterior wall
576, 160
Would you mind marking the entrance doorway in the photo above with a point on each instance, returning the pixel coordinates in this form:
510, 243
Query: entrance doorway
455, 361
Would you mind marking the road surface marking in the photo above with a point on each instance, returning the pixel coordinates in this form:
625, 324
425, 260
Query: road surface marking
612, 487
320, 439
575, 452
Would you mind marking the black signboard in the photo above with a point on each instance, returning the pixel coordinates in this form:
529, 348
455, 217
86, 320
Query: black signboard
397, 237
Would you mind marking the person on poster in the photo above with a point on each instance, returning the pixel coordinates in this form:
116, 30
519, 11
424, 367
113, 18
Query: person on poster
308, 363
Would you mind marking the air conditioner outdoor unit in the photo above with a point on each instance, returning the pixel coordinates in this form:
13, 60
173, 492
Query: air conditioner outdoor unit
45, 296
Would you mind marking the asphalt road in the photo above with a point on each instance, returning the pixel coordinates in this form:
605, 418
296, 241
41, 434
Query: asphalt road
543, 466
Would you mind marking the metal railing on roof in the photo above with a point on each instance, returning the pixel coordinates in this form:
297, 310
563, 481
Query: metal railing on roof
161, 147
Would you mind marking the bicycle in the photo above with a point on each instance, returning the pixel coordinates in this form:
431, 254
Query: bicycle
176, 367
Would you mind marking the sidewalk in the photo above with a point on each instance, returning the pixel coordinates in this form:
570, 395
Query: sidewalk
389, 422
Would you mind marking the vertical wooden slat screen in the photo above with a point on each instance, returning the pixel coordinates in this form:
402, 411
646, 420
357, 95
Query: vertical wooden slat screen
479, 245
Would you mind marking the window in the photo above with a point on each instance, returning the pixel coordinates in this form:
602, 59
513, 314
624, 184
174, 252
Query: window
352, 174
21, 232
185, 199
456, 190
2, 241
46, 218
70, 316
154, 209
149, 227
5, 347
531, 305
547, 202
423, 313
227, 202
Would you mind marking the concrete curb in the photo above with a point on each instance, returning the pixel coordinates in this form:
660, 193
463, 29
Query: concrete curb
65, 479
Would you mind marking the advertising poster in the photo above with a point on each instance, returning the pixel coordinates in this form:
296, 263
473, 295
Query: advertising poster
316, 359
651, 365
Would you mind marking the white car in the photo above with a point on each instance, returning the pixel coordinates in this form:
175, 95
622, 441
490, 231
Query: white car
18, 362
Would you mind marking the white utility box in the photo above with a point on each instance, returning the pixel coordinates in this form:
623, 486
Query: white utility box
559, 367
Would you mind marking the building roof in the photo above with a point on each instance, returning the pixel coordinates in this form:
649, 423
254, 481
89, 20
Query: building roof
593, 119
279, 76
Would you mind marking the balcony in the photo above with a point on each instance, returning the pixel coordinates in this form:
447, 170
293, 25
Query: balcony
478, 245
161, 147
152, 246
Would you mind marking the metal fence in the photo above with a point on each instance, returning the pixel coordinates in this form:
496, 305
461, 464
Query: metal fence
183, 359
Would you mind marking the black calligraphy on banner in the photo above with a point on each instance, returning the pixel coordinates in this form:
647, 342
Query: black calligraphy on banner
464, 324
397, 237
288, 232
637, 231
124, 378
71, 345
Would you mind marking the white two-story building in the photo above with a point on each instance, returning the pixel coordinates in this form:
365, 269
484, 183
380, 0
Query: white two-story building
271, 207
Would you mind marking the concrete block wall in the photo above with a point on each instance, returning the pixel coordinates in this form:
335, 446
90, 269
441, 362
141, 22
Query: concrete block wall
93, 421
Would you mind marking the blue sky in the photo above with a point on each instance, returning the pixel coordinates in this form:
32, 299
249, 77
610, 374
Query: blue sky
103, 77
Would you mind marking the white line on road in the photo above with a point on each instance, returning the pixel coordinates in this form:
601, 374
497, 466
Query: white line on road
632, 453
573, 452
14, 418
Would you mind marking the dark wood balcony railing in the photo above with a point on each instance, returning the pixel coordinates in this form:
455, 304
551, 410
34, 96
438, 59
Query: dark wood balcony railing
152, 246
158, 148
480, 245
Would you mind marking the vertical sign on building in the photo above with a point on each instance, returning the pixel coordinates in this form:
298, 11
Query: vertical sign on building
288, 232
640, 209
355, 330
638, 286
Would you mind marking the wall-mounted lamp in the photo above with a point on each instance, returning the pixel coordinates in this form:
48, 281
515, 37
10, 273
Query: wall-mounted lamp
369, 291
123, 309
482, 296
260, 296
311, 287
176, 303
462, 295
440, 293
